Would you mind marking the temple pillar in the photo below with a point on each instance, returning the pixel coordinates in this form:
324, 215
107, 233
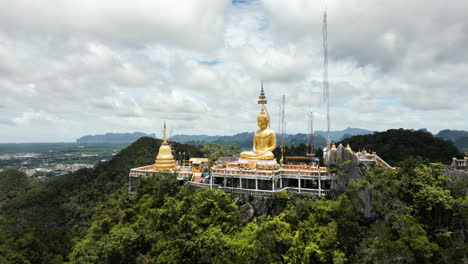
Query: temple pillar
299, 181
256, 181
225, 178
320, 183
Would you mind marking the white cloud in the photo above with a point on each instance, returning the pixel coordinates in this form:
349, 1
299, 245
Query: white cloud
38, 119
95, 67
174, 103
192, 24
119, 104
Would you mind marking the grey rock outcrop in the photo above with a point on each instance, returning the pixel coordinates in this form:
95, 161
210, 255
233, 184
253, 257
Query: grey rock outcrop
247, 212
368, 208
341, 180
254, 206
346, 165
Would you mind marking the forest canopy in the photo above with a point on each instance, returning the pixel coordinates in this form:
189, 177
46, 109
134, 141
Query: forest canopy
396, 145
414, 215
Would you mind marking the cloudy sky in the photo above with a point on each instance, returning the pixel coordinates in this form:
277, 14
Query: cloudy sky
70, 68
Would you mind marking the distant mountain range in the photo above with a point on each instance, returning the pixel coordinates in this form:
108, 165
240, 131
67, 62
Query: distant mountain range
244, 140
458, 137
114, 138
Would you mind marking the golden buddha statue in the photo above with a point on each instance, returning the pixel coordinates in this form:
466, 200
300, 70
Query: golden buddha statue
264, 141
164, 160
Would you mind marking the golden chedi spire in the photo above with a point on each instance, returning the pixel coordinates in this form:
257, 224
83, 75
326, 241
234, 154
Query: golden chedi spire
164, 160
262, 98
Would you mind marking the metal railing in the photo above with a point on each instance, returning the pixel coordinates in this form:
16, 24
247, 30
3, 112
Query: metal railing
268, 174
307, 191
181, 175
247, 191
203, 185
254, 192
374, 158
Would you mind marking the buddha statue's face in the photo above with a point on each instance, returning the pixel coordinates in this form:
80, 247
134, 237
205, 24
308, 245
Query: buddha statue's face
263, 121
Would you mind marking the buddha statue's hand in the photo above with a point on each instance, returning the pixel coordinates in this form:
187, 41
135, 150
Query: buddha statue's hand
260, 152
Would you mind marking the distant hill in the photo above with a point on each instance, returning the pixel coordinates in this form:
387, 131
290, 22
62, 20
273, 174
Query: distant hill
395, 145
339, 134
194, 138
114, 138
452, 135
244, 140
458, 137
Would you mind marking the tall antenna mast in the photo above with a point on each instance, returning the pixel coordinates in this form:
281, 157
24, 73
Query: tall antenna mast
283, 128
171, 141
310, 142
164, 133
326, 90
279, 118
162, 130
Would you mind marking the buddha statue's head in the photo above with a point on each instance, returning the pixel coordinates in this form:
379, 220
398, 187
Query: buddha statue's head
263, 119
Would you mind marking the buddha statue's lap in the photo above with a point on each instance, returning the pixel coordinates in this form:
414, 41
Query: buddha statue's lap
257, 156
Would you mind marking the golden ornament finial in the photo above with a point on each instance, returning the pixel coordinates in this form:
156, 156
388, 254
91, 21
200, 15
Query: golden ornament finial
262, 98
333, 146
164, 134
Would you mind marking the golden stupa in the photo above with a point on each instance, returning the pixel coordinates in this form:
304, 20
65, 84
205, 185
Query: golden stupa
164, 160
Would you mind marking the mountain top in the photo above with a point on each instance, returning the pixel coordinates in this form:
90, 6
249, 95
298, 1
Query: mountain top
395, 145
241, 139
458, 137
114, 138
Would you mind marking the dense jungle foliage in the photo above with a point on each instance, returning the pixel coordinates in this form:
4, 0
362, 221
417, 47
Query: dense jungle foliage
415, 215
41, 221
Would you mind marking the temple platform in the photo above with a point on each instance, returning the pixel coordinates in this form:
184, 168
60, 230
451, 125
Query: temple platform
297, 178
236, 179
184, 174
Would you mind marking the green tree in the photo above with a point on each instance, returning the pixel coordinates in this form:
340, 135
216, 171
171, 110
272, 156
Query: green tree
13, 182
395, 145
213, 151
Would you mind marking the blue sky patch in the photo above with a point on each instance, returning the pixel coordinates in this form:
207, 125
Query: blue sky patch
239, 2
210, 62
